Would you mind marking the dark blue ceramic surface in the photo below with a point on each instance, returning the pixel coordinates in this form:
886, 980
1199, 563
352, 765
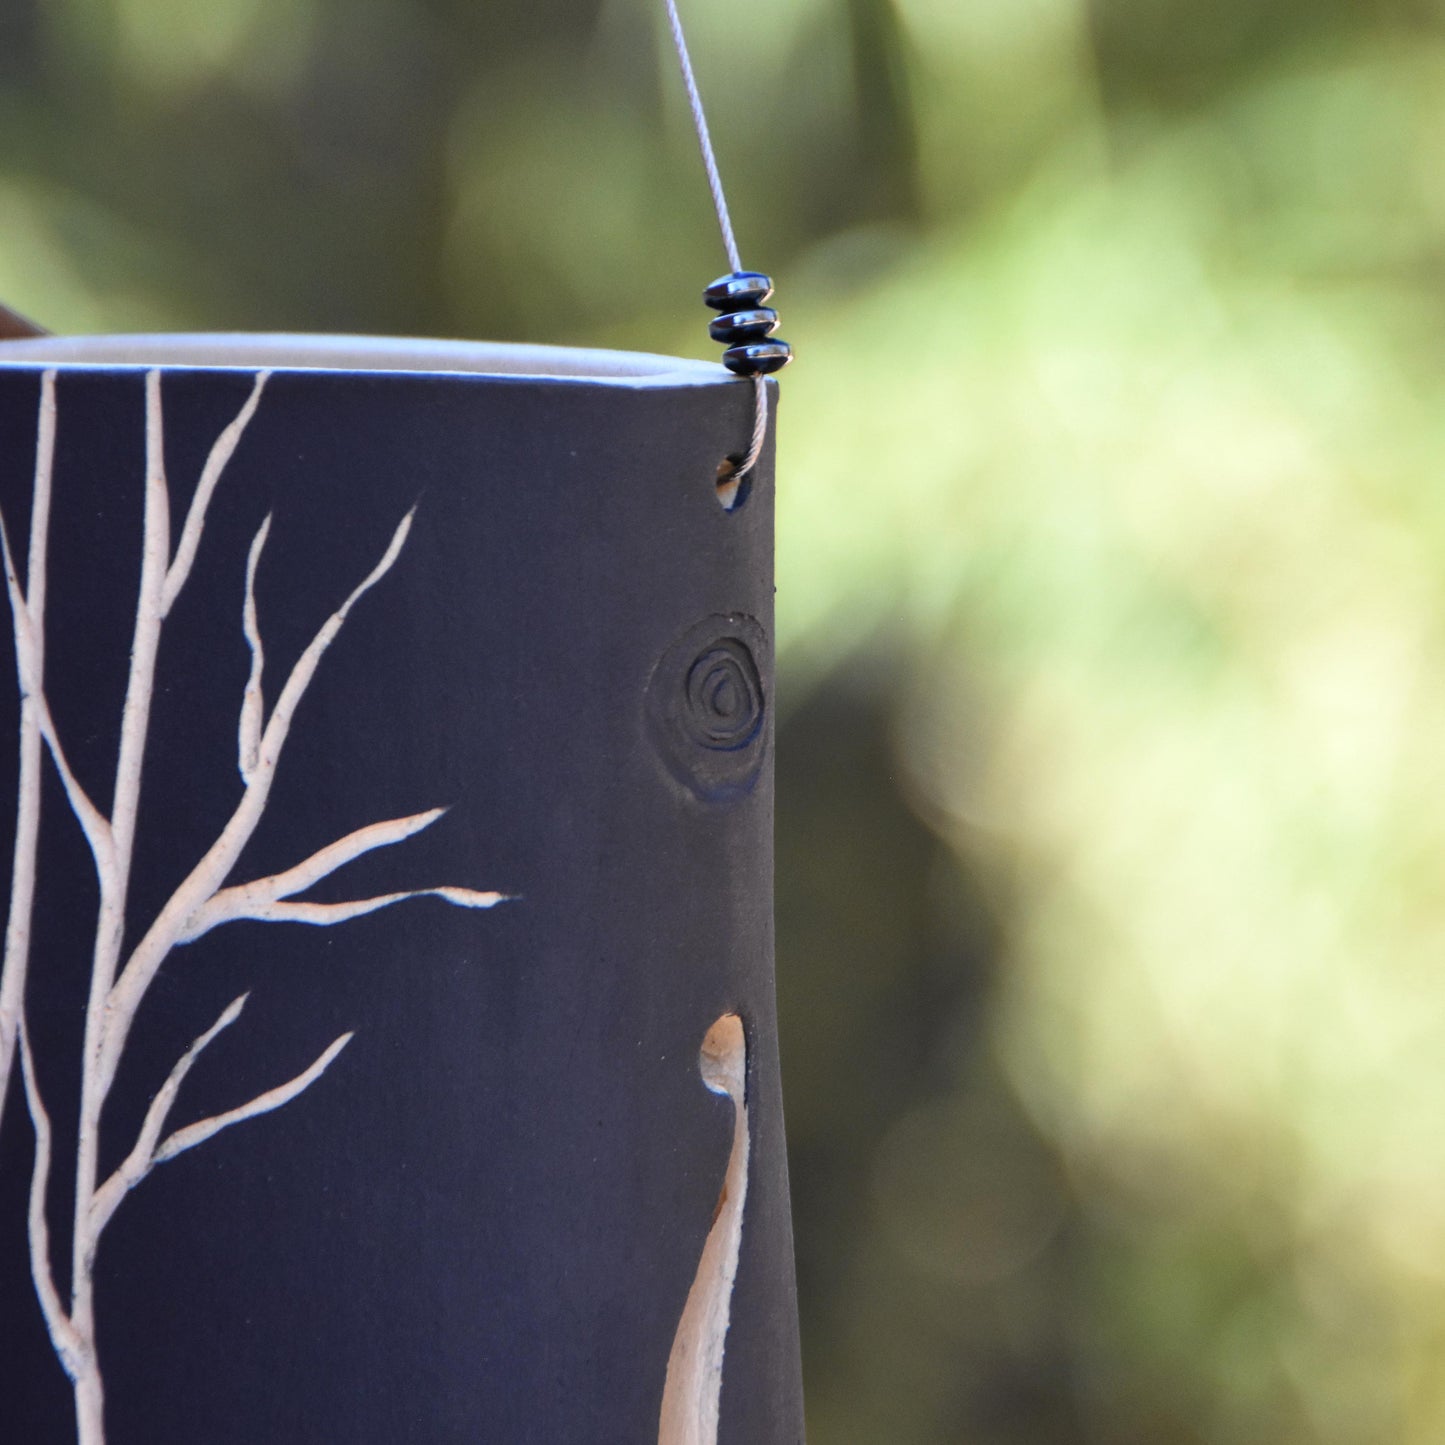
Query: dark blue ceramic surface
480, 1220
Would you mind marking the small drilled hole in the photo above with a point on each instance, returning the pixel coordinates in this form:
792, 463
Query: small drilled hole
732, 490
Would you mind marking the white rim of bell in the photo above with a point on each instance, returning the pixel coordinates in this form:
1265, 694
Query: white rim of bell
251, 351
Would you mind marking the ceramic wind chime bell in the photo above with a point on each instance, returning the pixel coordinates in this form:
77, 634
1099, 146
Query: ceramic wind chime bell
387, 1041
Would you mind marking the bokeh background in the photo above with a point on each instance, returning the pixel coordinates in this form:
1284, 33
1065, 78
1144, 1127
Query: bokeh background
1112, 604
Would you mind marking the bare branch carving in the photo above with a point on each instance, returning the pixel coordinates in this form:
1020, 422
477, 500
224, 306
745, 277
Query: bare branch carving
261, 898
201, 902
114, 890
328, 913
253, 702
198, 1133
26, 641
93, 823
210, 873
221, 453
142, 1158
27, 617
321, 864
28, 659
41, 1269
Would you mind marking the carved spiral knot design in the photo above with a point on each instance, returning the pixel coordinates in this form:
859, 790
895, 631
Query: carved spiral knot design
707, 706
724, 697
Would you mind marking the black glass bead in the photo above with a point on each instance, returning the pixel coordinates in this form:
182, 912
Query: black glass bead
758, 358
744, 326
740, 290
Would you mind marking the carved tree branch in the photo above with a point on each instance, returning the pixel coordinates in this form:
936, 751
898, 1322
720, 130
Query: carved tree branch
27, 643
93, 823
319, 865
67, 1345
115, 877
206, 878
221, 453
200, 903
198, 1133
253, 702
28, 618
161, 580
325, 914
260, 899
142, 1157
29, 658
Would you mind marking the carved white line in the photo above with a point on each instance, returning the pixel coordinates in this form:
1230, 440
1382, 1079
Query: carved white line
322, 914
204, 1129
67, 1343
261, 898
110, 926
253, 701
143, 1156
201, 903
29, 642
30, 667
210, 873
221, 452
693, 1389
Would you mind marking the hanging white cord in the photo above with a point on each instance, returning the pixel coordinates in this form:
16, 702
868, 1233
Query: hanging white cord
760, 429
725, 225
704, 138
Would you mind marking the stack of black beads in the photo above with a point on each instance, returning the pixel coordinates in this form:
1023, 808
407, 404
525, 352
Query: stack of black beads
746, 326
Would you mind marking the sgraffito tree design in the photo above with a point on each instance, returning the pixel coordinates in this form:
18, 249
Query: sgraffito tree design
121, 971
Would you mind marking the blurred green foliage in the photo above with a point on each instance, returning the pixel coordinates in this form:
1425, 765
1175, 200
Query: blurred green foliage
1112, 563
